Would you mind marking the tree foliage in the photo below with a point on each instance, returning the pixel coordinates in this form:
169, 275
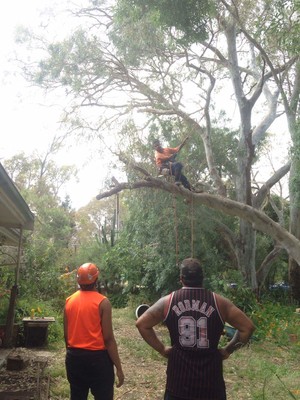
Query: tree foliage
185, 21
160, 71
47, 249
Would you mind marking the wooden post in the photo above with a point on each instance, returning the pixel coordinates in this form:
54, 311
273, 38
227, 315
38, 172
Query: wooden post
10, 319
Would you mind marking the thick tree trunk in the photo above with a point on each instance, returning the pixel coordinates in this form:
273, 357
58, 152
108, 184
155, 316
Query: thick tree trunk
265, 267
294, 268
247, 236
294, 279
294, 182
247, 251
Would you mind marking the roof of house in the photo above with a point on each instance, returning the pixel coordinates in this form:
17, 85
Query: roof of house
14, 211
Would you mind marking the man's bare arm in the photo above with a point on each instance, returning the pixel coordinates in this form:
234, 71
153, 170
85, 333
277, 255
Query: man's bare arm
239, 320
109, 338
65, 328
153, 316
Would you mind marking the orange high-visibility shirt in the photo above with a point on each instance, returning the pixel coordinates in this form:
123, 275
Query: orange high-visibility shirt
164, 154
83, 320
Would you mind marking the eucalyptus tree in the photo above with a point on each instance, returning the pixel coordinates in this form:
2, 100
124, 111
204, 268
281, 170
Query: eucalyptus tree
274, 34
99, 221
250, 79
47, 250
171, 65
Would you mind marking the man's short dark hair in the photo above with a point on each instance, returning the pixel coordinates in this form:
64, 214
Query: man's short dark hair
156, 142
191, 272
91, 286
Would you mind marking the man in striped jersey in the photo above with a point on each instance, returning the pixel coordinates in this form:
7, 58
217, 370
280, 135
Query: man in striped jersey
195, 319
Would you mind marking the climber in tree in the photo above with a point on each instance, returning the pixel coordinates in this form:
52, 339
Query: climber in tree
165, 158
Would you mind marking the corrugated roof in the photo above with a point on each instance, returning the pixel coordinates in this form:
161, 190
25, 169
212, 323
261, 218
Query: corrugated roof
14, 211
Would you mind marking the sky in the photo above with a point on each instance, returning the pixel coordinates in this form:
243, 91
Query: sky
25, 118
29, 118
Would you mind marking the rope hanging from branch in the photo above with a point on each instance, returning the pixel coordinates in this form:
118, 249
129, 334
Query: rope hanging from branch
192, 227
176, 229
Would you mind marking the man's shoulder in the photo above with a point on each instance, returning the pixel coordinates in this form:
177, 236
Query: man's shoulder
73, 295
99, 296
87, 293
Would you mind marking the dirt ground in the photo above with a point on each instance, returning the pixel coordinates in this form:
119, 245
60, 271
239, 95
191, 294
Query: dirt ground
145, 375
143, 380
24, 376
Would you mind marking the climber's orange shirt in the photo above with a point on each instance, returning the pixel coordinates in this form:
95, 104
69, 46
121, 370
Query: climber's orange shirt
83, 320
164, 154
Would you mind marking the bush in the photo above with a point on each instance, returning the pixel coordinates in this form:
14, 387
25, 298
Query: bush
27, 307
118, 300
3, 310
275, 322
244, 298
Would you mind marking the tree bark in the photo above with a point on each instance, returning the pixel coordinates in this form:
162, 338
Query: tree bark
256, 218
247, 236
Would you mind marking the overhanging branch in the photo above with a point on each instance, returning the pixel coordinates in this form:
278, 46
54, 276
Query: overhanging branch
258, 219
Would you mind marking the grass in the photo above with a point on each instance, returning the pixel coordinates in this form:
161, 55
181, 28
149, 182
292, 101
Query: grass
265, 370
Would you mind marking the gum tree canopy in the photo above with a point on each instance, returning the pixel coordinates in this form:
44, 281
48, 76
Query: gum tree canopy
154, 69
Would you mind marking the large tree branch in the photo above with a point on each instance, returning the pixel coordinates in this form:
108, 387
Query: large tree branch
206, 137
234, 13
265, 189
265, 266
260, 131
258, 219
294, 103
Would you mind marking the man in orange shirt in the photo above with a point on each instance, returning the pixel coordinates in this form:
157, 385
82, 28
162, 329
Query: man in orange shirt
92, 351
165, 158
